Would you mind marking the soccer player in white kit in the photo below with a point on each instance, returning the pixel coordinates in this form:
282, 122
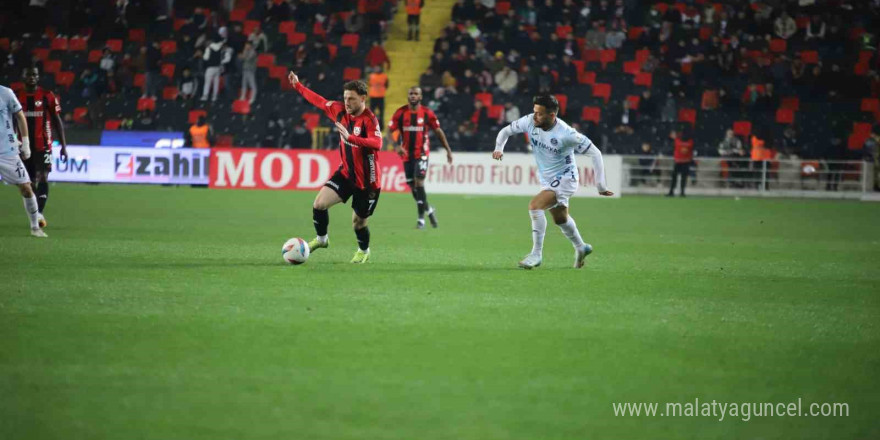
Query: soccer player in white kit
554, 144
11, 167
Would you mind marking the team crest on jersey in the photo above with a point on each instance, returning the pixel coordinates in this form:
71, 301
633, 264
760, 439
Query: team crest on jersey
553, 141
535, 132
420, 120
357, 131
38, 103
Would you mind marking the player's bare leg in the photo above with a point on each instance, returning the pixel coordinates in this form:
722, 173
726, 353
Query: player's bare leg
363, 237
323, 201
537, 205
30, 207
569, 229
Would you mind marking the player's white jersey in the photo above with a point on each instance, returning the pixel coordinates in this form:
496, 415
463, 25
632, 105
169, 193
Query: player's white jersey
9, 106
554, 149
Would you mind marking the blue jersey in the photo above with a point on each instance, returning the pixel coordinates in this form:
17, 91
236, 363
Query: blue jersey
555, 148
9, 106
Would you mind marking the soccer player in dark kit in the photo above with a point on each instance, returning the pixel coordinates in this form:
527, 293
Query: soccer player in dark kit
358, 177
42, 112
413, 121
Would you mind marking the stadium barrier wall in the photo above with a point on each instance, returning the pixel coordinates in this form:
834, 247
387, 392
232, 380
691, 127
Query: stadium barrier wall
104, 164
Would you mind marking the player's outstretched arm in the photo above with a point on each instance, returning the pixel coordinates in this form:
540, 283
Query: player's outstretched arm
517, 126
599, 168
313, 98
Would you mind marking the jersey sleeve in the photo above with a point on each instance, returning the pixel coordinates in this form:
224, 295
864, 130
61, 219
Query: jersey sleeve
521, 125
393, 122
373, 140
53, 106
330, 108
579, 142
11, 101
432, 121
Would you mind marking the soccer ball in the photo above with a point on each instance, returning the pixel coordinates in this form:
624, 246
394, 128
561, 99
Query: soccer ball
295, 251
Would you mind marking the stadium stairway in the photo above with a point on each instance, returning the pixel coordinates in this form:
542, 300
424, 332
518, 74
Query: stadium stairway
409, 59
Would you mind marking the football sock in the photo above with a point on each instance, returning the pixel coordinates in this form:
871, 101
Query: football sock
321, 219
421, 201
570, 231
539, 227
363, 238
42, 191
30, 206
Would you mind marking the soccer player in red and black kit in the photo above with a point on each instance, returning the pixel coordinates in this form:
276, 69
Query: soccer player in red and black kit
358, 177
43, 114
413, 121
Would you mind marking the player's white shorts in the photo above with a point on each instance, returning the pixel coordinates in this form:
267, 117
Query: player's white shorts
563, 186
12, 170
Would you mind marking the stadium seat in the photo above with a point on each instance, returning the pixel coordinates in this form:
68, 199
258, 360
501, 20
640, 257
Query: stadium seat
287, 27
579, 66
591, 55
687, 115
265, 60
680, 6
52, 66
810, 57
802, 22
710, 100
861, 69
485, 98
705, 33
742, 128
139, 80
593, 114
4, 44
778, 45
687, 68
607, 56
785, 116
115, 45
193, 116
495, 111
562, 31
168, 47
318, 29
178, 23
59, 44
856, 141
563, 103
296, 38
661, 7
225, 140
278, 72
501, 8
644, 79
137, 35
587, 78
791, 102
862, 128
41, 53
351, 74
77, 44
632, 67
64, 79
870, 105
634, 101
168, 70
95, 55
333, 49
311, 120
351, 41
635, 32
238, 14
146, 104
642, 55
169, 93
602, 91
79, 115
112, 124
241, 107
249, 26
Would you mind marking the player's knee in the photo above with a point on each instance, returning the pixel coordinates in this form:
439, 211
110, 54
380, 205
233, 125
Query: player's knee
420, 183
320, 205
358, 223
25, 190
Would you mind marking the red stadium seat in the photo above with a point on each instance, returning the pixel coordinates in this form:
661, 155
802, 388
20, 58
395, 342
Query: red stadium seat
238, 14
587, 78
495, 111
52, 66
64, 79
742, 128
501, 8
351, 74
579, 66
485, 98
634, 101
644, 79
680, 6
607, 56
870, 105
602, 91
318, 29
632, 67
169, 93
241, 107
856, 141
265, 60
146, 104
687, 115
810, 57
333, 49
179, 23
635, 32
705, 33
296, 38
778, 45
279, 73
41, 53
139, 80
225, 140
865, 56
591, 55
785, 116
4, 44
862, 128
687, 68
249, 26
80, 115
58, 44
137, 35
642, 55
78, 44
350, 41
661, 7
168, 47
168, 70
562, 31
287, 27
791, 102
95, 55
591, 114
311, 120
563, 103
193, 116
112, 124
802, 22
115, 45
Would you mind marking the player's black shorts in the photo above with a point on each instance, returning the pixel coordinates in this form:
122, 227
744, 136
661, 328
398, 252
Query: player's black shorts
413, 19
39, 161
415, 168
364, 201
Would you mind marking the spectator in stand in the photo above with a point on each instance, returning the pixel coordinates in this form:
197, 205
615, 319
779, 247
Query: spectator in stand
507, 80
151, 69
684, 157
378, 81
816, 29
449, 82
108, 61
647, 172
595, 38
568, 75
647, 107
413, 15
626, 119
215, 58
480, 116
430, 81
614, 39
235, 39
377, 57
187, 86
732, 148
511, 113
761, 154
199, 135
278, 11
872, 156
248, 58
784, 26
354, 23
670, 112
145, 121
88, 82
495, 63
468, 84
259, 40
300, 137
274, 132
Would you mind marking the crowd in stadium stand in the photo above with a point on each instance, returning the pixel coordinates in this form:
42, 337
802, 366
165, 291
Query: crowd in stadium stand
800, 76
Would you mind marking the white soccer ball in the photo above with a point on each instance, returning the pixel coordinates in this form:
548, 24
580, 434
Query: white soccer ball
295, 251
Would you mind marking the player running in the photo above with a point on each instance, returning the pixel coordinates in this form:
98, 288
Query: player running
43, 114
12, 170
554, 143
358, 175
413, 121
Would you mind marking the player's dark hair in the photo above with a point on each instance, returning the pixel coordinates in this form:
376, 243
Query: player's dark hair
547, 101
358, 86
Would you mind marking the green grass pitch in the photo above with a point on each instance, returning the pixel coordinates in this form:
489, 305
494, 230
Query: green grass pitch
168, 313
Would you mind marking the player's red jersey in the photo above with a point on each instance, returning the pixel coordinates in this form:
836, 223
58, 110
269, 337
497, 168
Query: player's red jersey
413, 126
360, 163
39, 108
